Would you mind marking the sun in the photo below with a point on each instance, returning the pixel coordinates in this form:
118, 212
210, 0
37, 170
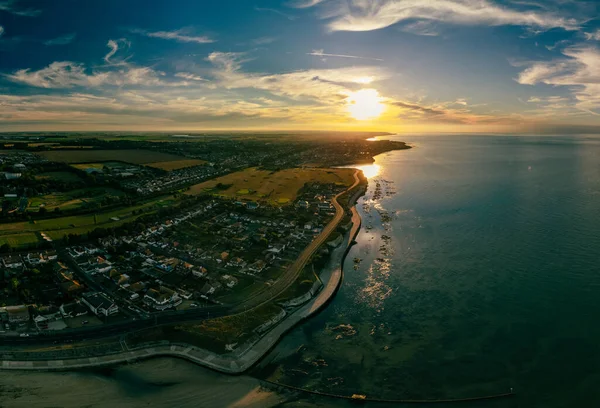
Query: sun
365, 104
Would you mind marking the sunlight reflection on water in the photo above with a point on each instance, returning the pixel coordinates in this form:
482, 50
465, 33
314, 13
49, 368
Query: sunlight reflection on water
369, 170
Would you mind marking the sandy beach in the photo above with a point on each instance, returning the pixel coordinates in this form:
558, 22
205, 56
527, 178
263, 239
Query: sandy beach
163, 382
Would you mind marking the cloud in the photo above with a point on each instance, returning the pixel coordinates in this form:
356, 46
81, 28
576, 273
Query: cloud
62, 74
263, 40
181, 35
271, 10
1, 31
423, 27
189, 76
367, 15
10, 6
578, 70
62, 40
594, 36
68, 74
118, 109
321, 53
418, 108
324, 86
305, 3
442, 113
114, 46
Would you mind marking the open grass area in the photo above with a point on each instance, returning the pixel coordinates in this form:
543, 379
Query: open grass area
85, 197
275, 187
64, 176
57, 228
176, 165
18, 240
94, 156
213, 334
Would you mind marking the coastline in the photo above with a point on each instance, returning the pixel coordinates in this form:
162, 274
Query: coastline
236, 362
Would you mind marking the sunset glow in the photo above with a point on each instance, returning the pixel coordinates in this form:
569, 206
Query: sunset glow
365, 104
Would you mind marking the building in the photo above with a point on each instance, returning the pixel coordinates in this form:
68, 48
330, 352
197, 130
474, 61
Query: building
74, 309
12, 261
303, 204
99, 303
162, 299
12, 176
17, 314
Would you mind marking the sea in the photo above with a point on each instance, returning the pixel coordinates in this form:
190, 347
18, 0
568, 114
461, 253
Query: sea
475, 273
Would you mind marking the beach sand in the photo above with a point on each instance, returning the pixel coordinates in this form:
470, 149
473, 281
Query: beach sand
160, 382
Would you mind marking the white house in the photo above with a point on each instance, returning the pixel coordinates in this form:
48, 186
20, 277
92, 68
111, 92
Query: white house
99, 303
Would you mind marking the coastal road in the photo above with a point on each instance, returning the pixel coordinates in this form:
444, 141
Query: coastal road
293, 271
258, 299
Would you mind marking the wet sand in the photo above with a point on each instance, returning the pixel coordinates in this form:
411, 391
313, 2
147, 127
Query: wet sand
160, 382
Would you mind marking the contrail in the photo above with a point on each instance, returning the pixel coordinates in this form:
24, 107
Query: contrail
320, 53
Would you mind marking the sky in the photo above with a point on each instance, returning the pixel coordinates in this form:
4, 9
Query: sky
418, 66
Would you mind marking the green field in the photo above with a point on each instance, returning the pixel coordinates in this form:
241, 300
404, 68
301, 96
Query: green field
81, 198
79, 224
95, 156
176, 165
18, 240
275, 187
59, 176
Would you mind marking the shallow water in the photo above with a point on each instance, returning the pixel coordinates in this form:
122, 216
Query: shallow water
479, 274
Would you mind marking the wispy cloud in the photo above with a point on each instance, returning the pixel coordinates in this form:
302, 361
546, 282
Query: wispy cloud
116, 72
272, 10
189, 76
323, 86
263, 40
1, 31
578, 71
114, 46
62, 40
11, 6
182, 35
304, 3
595, 36
367, 15
322, 53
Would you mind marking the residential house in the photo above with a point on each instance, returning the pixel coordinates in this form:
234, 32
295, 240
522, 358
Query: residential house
99, 303
12, 261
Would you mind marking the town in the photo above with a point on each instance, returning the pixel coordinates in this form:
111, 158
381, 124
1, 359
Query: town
98, 234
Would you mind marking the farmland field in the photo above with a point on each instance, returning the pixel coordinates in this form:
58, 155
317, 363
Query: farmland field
100, 166
176, 165
17, 240
79, 224
92, 156
73, 199
59, 175
275, 187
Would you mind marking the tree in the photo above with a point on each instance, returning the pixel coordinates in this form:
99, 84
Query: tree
14, 282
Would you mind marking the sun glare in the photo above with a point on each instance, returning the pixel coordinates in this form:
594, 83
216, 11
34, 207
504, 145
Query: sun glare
365, 104
369, 170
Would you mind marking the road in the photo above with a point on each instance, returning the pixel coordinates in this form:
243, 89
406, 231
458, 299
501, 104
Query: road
293, 271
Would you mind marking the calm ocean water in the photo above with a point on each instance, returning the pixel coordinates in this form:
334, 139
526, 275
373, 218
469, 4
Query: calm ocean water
479, 272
